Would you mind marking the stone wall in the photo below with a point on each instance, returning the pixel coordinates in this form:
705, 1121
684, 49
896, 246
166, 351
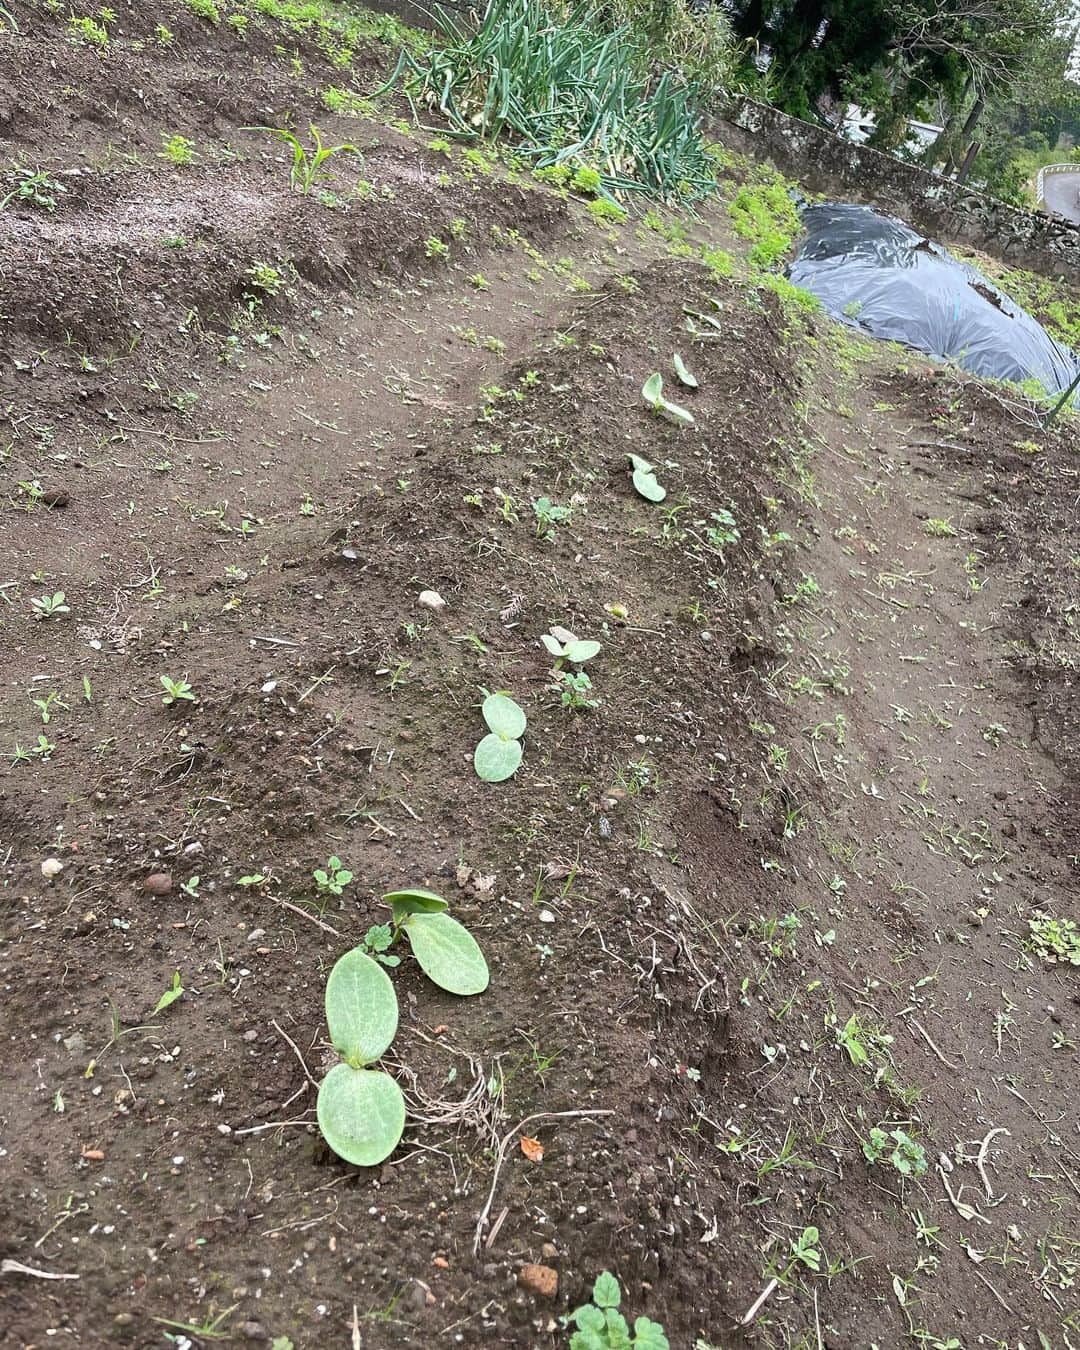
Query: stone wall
947, 211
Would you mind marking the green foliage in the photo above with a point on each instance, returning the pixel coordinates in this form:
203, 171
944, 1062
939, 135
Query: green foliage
33, 187
177, 149
90, 30
565, 646
50, 606
204, 9
601, 1326
174, 991
563, 86
332, 879
792, 298
907, 1156
1055, 939
548, 515
682, 373
377, 943
361, 1009
574, 688
804, 1249
307, 164
643, 476
176, 690
447, 952
608, 211
498, 755
652, 391
765, 215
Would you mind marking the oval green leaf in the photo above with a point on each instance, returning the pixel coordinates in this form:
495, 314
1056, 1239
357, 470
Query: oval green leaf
582, 649
684, 375
361, 1114
652, 391
553, 645
637, 462
673, 413
503, 716
495, 759
361, 1008
415, 900
647, 486
448, 953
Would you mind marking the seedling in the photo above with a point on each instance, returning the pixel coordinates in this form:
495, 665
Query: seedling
498, 755
548, 515
564, 646
644, 479
652, 391
50, 606
377, 942
446, 951
333, 879
170, 995
33, 187
683, 374
1055, 939
360, 1110
574, 689
176, 690
600, 1325
908, 1157
307, 165
804, 1248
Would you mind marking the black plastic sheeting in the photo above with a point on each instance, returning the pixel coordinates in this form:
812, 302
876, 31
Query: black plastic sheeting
877, 273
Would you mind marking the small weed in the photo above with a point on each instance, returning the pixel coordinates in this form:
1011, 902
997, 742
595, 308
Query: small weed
1055, 939
33, 187
332, 879
600, 1325
176, 691
50, 606
177, 149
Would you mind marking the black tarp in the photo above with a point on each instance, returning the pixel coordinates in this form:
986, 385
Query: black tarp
877, 273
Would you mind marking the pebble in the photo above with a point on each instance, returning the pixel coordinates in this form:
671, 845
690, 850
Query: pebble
160, 883
251, 1035
540, 1280
57, 498
51, 867
546, 916
431, 600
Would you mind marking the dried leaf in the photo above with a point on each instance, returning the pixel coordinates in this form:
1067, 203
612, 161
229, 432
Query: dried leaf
532, 1148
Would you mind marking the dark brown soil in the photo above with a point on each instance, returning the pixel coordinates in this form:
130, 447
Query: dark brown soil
831, 774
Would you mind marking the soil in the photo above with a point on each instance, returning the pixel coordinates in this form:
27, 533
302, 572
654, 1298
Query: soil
773, 892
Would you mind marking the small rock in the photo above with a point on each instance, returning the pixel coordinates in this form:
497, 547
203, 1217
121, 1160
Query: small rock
57, 498
440, 1263
193, 849
123, 1319
256, 934
253, 1331
546, 916
431, 600
160, 883
51, 867
251, 1035
549, 1250
75, 1043
540, 1280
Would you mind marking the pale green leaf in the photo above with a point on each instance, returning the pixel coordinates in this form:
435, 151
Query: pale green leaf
552, 644
415, 900
673, 413
503, 716
581, 650
637, 462
361, 1008
447, 952
649, 1335
684, 375
606, 1292
652, 391
646, 486
361, 1114
495, 759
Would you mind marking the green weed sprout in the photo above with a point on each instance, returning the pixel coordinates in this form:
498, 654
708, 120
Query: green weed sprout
50, 606
600, 1325
332, 879
498, 755
652, 391
908, 1157
33, 187
684, 375
306, 167
643, 476
176, 690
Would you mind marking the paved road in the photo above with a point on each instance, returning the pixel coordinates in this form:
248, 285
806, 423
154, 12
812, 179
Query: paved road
1063, 194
